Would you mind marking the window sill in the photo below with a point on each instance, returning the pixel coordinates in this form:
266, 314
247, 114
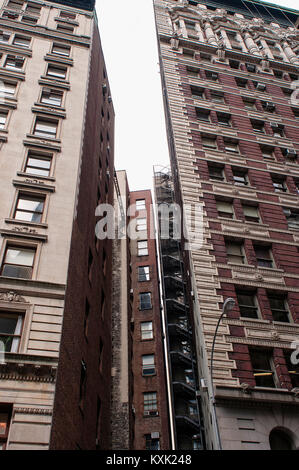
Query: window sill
29, 175
25, 222
44, 139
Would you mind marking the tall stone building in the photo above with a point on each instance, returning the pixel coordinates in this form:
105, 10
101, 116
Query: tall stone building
229, 70
56, 166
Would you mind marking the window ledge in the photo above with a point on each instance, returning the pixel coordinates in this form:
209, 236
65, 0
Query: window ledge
44, 140
25, 222
29, 175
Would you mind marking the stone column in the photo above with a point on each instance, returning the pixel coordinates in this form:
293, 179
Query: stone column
290, 53
250, 44
211, 38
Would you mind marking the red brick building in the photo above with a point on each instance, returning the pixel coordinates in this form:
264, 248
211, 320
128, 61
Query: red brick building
228, 72
151, 428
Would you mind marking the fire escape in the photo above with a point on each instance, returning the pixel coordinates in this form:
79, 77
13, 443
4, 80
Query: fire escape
183, 383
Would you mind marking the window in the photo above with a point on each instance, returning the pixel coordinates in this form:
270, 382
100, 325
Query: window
251, 213
68, 15
51, 97
234, 64
268, 106
249, 103
152, 443
279, 309
235, 252
140, 204
145, 301
14, 62
217, 97
148, 364
29, 19
203, 114
141, 224
278, 129
259, 86
150, 403
225, 209
209, 142
63, 28
5, 415
241, 82
205, 58
247, 304
240, 177
292, 216
33, 9
14, 5
263, 256
56, 72
296, 112
4, 37
263, 367
212, 76
258, 126
146, 329
47, 129
279, 184
7, 89
293, 369
231, 146
216, 172
3, 119
197, 92
142, 248
21, 41
29, 208
10, 331
18, 262
251, 68
61, 49
192, 71
38, 163
224, 119
143, 273
267, 152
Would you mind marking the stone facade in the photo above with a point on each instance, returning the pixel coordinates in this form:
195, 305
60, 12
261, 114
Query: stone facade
215, 63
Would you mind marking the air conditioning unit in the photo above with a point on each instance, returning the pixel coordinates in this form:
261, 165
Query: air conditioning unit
155, 435
274, 125
269, 106
290, 153
214, 76
203, 385
260, 86
151, 413
250, 68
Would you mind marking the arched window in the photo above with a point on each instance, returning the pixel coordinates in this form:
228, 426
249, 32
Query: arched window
280, 440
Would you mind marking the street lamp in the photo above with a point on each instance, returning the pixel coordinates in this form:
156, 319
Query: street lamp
228, 305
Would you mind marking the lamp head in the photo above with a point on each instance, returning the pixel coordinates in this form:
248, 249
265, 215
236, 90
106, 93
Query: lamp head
228, 304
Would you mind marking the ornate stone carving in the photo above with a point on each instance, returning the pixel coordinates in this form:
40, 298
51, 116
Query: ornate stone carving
11, 296
245, 387
34, 181
275, 335
24, 230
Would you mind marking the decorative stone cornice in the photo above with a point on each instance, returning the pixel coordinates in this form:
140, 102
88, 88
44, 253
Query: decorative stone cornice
33, 411
12, 296
28, 368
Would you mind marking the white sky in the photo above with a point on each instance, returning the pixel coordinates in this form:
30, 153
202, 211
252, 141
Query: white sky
128, 35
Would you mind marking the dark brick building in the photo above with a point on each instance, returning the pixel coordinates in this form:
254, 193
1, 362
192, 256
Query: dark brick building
229, 70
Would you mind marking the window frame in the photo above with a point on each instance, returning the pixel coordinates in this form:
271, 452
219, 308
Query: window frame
254, 306
26, 195
27, 247
146, 334
145, 301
